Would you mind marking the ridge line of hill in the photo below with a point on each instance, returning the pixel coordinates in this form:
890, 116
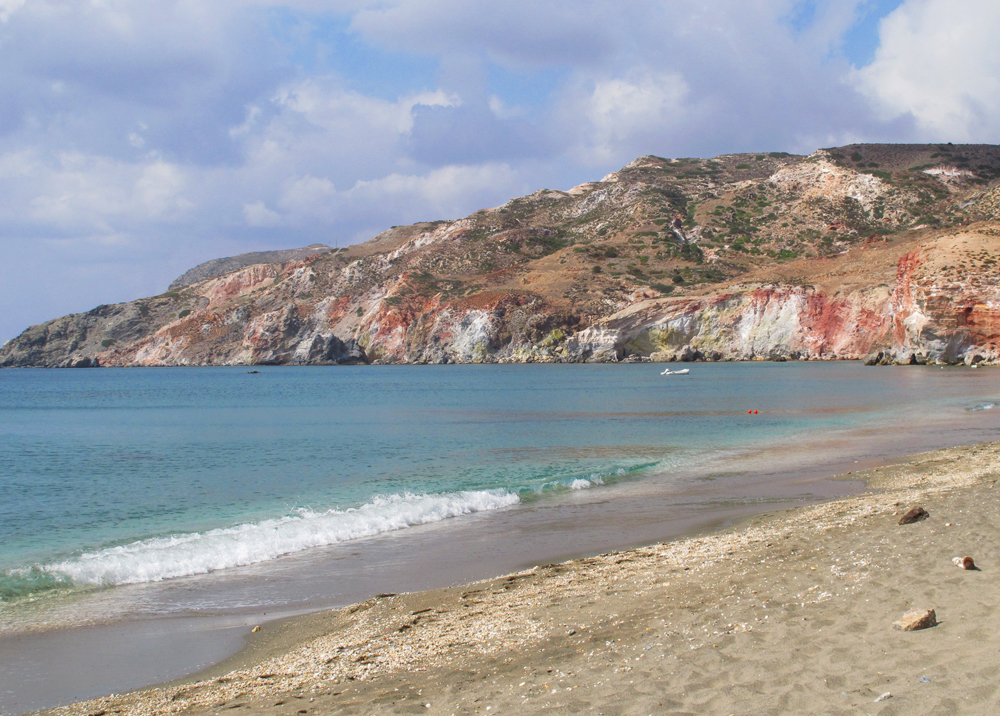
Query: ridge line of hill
884, 252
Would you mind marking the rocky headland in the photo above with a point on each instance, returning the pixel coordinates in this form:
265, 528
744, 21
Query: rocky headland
881, 252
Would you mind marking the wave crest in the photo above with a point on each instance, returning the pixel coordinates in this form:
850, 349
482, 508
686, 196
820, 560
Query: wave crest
159, 558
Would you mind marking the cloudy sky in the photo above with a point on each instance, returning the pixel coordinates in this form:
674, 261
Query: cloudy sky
141, 137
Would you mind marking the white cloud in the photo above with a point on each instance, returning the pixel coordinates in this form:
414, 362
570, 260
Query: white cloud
258, 215
90, 194
160, 191
445, 193
309, 197
8, 7
442, 193
618, 110
940, 62
517, 32
502, 110
323, 103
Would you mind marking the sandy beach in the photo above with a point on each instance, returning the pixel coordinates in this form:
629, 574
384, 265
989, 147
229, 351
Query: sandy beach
790, 612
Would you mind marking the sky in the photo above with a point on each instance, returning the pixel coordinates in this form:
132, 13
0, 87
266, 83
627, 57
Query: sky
140, 138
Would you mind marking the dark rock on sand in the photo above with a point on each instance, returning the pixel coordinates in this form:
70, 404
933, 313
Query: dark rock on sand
914, 514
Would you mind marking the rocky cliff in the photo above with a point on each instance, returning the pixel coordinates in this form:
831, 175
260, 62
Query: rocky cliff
218, 267
881, 251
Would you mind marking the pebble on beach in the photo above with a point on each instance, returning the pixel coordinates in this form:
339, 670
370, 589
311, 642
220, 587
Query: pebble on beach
914, 514
916, 619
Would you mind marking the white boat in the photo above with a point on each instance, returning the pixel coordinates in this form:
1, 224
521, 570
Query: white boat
683, 371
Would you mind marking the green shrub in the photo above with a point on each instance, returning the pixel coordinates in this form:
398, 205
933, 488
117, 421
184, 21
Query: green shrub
555, 337
742, 166
881, 174
107, 342
712, 275
690, 252
186, 312
662, 288
596, 269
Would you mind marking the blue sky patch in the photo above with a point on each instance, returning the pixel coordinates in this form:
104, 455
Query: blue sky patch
319, 44
862, 40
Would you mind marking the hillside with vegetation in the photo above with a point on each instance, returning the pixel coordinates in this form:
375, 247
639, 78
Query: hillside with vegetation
884, 252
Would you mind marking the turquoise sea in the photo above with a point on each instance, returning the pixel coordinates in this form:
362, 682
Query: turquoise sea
117, 477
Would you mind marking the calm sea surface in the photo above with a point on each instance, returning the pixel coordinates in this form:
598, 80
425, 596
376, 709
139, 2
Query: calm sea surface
116, 477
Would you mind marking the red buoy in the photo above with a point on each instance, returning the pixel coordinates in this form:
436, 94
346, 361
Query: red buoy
755, 412
749, 412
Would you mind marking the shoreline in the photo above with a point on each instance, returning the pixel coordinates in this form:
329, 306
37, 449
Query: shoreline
632, 359
764, 596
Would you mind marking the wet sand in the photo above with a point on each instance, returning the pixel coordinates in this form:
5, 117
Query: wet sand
790, 612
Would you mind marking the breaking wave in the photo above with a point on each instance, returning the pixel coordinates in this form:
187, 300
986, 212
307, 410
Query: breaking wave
982, 406
155, 559
594, 479
183, 555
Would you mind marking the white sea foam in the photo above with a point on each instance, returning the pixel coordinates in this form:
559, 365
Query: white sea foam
152, 560
594, 480
983, 406
578, 483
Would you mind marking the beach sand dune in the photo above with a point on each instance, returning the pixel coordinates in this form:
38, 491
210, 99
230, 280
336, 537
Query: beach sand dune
790, 613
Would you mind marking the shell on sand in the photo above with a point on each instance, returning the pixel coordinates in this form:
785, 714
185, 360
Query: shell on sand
964, 562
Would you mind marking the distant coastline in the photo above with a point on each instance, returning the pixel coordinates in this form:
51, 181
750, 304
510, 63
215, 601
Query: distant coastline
883, 253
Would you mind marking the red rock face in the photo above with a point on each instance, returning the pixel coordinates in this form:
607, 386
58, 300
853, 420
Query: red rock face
338, 310
902, 303
983, 323
920, 314
841, 327
239, 283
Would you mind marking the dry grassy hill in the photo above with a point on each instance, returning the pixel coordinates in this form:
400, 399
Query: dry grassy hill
887, 251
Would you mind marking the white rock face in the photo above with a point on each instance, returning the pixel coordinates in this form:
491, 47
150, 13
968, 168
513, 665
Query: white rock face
821, 178
471, 337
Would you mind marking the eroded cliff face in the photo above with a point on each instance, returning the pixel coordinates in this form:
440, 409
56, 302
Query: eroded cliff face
738, 258
942, 307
